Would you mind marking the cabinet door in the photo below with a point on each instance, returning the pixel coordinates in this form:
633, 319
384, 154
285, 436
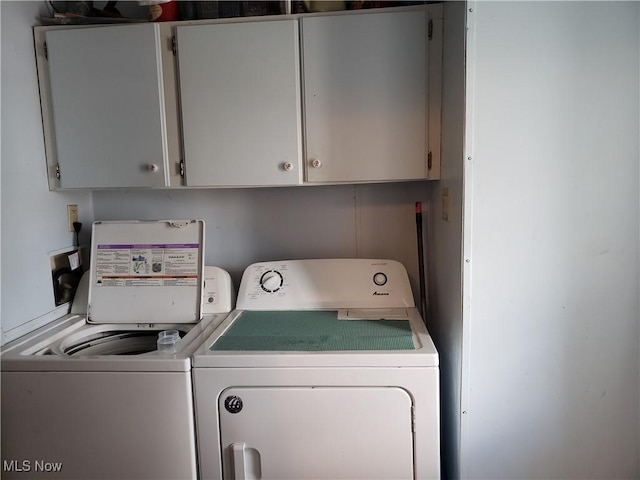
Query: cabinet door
365, 96
240, 100
306, 433
106, 106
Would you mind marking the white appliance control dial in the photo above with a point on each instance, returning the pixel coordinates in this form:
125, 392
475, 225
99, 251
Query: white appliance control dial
271, 281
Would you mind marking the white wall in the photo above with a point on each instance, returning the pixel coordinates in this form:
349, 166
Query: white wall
249, 225
33, 219
551, 314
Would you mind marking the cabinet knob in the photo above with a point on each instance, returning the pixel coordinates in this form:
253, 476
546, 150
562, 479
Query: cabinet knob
288, 166
152, 167
315, 163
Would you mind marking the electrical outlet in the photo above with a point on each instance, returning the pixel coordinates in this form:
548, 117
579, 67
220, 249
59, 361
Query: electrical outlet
72, 216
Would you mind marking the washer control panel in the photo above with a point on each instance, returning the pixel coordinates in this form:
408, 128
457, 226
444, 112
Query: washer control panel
217, 291
332, 283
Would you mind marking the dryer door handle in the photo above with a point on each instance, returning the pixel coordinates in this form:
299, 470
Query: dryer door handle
239, 465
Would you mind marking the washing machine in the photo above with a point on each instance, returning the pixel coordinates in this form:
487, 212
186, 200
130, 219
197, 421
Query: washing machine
106, 391
325, 370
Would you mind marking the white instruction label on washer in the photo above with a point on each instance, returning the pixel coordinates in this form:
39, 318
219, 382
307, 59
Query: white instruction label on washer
147, 265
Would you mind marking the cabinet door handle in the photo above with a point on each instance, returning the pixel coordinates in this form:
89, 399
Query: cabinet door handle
152, 167
315, 163
288, 166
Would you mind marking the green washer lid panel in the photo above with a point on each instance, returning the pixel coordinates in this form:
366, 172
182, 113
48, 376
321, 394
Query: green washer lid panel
312, 331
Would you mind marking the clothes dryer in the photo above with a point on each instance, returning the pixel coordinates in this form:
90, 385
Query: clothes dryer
90, 396
324, 371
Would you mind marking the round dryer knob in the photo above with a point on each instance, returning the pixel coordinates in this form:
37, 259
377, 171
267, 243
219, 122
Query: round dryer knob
271, 281
380, 279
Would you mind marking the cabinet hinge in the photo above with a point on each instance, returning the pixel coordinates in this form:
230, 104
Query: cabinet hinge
182, 168
45, 50
58, 171
430, 29
429, 161
174, 45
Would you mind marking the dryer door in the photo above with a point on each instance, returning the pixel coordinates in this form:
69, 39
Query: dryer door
298, 433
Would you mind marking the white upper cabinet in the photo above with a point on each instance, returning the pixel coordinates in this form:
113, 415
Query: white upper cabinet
234, 102
240, 103
366, 96
103, 107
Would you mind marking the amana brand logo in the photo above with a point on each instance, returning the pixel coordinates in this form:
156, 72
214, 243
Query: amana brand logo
379, 294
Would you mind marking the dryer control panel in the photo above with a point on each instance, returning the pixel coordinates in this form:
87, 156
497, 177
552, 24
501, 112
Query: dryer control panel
324, 284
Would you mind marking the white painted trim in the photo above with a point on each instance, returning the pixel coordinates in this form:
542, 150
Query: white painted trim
467, 222
163, 107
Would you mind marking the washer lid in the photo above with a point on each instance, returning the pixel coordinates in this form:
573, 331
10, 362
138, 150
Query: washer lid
146, 271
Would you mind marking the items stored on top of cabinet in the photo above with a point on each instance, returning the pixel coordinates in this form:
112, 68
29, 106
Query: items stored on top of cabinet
343, 97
